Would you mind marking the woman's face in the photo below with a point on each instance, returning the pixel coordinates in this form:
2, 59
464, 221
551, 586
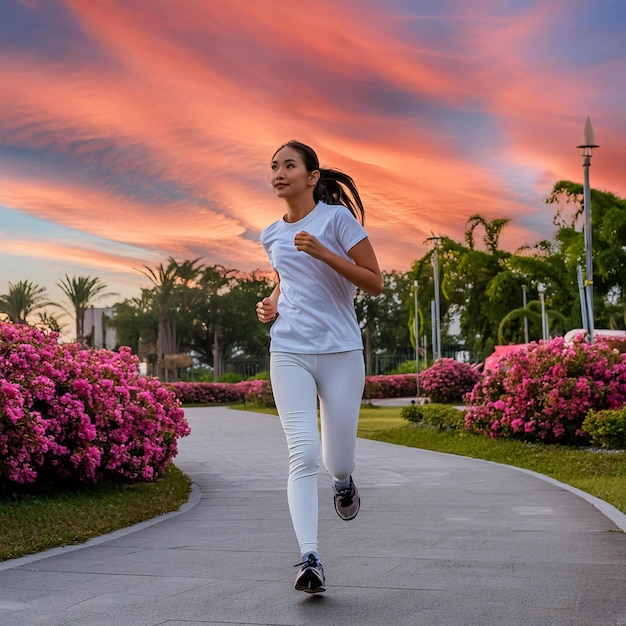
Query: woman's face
289, 177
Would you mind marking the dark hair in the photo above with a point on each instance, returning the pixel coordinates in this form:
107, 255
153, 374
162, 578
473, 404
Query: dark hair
333, 186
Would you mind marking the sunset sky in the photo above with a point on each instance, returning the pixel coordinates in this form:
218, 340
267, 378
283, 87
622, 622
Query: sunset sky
136, 130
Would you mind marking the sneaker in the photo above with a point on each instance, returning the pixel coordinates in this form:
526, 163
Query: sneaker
310, 578
347, 501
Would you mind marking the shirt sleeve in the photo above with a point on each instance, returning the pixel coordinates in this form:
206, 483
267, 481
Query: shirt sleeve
349, 230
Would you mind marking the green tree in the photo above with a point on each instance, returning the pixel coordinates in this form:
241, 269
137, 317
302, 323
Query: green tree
383, 319
449, 253
136, 325
48, 321
208, 320
173, 294
608, 228
225, 325
240, 333
82, 292
23, 299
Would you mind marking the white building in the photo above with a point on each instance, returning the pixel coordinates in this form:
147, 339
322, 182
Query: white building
97, 332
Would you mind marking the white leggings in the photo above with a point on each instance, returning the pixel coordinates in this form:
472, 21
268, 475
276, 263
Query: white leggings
297, 381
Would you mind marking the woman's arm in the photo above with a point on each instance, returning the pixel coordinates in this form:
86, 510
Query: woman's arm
364, 272
266, 309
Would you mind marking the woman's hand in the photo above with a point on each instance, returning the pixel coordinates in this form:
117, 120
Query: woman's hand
266, 310
305, 242
362, 270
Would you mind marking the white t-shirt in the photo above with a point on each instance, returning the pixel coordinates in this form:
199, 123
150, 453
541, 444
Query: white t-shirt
316, 304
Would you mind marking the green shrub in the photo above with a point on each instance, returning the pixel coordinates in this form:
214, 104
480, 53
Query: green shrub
198, 374
406, 367
442, 416
260, 376
229, 377
607, 428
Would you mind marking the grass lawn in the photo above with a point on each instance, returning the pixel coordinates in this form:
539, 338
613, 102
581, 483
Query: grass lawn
32, 523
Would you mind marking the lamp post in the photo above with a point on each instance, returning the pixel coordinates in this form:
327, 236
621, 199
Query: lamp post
544, 325
525, 318
433, 333
587, 149
437, 309
417, 343
581, 297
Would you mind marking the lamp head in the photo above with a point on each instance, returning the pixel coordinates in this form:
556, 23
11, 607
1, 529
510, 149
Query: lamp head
589, 140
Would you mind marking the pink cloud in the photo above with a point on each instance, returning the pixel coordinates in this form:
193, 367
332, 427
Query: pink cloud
164, 144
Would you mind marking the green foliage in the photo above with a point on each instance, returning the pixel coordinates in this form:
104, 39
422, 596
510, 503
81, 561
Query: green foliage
199, 374
407, 367
136, 325
441, 416
261, 376
484, 286
230, 377
82, 291
383, 319
607, 428
24, 298
226, 315
608, 218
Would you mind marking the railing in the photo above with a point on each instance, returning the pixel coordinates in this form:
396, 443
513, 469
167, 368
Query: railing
381, 363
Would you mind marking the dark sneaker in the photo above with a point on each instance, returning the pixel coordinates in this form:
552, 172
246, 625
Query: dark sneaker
310, 578
347, 501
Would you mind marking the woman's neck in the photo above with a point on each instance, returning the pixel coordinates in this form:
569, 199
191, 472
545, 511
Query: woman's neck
299, 209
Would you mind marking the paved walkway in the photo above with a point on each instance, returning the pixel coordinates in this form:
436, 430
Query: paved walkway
441, 540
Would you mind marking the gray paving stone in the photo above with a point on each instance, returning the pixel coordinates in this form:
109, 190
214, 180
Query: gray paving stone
440, 540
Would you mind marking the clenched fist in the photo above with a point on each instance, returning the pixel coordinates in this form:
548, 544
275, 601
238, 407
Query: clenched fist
266, 310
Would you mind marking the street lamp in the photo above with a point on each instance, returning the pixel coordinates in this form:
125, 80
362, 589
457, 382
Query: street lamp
587, 149
525, 318
417, 343
581, 297
544, 322
437, 309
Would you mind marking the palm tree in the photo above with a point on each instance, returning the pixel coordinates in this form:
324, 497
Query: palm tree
166, 296
23, 298
47, 321
82, 291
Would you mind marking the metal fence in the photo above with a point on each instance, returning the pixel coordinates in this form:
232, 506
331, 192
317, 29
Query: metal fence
381, 363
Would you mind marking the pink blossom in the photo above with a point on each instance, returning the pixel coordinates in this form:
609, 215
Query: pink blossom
543, 393
62, 408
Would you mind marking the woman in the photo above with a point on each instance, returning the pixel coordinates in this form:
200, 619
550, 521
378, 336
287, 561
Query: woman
320, 252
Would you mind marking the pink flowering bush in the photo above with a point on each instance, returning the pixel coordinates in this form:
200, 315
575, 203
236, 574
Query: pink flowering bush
253, 391
260, 391
257, 392
205, 393
448, 380
391, 386
543, 393
72, 414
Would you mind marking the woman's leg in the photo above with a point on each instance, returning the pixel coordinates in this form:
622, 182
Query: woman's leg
295, 394
340, 382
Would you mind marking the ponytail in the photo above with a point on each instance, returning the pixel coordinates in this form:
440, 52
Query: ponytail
333, 187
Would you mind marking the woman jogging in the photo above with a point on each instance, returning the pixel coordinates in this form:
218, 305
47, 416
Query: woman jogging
320, 252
